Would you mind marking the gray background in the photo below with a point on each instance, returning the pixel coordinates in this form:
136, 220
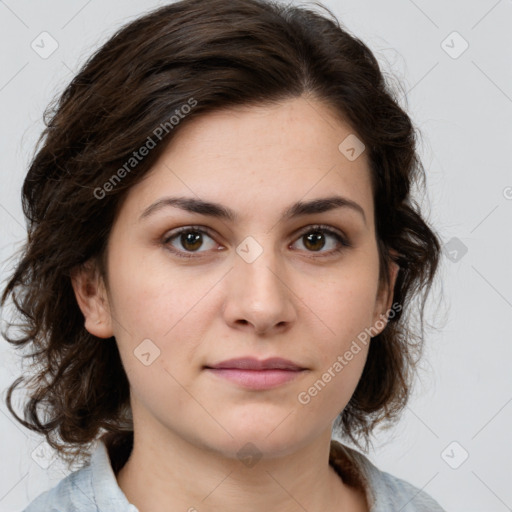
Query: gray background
462, 104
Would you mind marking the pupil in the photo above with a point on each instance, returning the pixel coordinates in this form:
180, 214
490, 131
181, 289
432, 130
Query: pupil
191, 240
315, 240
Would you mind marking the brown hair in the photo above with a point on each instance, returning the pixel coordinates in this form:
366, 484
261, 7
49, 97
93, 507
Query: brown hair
206, 55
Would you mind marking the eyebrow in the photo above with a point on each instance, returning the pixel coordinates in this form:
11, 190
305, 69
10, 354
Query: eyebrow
194, 205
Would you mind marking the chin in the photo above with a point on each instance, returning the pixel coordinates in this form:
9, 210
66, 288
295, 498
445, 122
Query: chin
261, 439
254, 447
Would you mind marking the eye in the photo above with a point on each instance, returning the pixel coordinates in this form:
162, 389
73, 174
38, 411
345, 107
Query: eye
189, 240
186, 242
322, 239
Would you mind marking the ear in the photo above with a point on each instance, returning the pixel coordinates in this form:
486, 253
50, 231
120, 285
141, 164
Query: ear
385, 296
91, 296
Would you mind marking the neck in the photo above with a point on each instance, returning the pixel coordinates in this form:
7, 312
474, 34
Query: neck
168, 473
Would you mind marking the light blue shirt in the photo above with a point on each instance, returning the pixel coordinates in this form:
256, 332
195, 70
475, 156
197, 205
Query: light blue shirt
94, 488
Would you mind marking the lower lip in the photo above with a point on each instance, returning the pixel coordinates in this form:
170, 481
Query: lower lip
257, 379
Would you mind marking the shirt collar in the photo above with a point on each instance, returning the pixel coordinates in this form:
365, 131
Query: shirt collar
108, 494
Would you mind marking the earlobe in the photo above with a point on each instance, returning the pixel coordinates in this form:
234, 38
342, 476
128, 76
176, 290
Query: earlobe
90, 294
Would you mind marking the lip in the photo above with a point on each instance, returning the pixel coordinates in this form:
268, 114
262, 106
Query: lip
251, 363
252, 373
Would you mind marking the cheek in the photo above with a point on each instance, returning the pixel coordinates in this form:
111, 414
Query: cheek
150, 298
329, 390
167, 308
345, 305
344, 308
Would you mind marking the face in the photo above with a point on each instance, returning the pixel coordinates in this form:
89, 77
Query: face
283, 265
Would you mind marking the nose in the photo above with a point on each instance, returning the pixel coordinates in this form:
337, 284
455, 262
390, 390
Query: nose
259, 298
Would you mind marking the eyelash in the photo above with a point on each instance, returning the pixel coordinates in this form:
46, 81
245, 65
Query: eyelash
342, 241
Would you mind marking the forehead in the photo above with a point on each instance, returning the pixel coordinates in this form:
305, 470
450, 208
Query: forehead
262, 157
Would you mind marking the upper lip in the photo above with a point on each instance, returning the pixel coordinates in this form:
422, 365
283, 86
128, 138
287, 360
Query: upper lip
251, 363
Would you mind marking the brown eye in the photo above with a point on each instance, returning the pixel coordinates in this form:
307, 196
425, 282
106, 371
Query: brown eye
186, 241
314, 241
191, 240
318, 238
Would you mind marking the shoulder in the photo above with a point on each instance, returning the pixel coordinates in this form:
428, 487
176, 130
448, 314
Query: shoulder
92, 488
384, 491
71, 494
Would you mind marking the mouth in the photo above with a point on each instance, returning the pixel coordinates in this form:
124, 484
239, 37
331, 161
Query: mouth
252, 373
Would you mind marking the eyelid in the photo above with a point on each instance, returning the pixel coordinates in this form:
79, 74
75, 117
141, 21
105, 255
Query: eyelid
191, 227
169, 235
325, 228
343, 240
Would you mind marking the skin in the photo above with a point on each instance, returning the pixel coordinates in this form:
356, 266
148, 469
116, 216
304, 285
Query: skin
297, 300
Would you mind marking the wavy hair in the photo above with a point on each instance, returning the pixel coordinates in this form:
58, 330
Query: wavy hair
209, 55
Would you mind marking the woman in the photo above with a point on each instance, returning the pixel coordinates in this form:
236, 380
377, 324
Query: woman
221, 261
